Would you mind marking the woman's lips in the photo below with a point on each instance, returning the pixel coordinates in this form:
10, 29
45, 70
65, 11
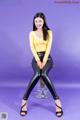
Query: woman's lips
39, 26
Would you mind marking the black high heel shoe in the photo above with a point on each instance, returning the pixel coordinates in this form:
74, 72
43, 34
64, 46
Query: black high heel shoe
23, 111
59, 113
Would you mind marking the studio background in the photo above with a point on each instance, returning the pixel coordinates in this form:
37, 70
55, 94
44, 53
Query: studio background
15, 55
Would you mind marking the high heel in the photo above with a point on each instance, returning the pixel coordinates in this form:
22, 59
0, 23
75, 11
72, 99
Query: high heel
59, 113
23, 111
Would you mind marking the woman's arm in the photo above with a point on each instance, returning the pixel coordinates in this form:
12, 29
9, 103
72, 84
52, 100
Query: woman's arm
31, 38
48, 47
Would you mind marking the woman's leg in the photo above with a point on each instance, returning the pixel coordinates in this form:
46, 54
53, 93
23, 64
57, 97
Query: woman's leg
50, 86
47, 80
34, 79
30, 87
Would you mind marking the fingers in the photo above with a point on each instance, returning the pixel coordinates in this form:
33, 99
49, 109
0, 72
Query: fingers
41, 64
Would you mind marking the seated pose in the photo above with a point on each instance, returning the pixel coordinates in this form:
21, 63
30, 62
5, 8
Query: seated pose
42, 62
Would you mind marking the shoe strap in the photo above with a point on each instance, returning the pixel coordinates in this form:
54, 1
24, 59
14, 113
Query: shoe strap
23, 105
58, 106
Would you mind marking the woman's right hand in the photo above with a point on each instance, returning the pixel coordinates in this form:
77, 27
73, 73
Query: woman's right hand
39, 64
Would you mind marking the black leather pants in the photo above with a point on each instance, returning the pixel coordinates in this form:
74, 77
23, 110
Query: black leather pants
41, 73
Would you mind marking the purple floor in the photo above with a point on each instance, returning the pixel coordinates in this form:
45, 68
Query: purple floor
40, 109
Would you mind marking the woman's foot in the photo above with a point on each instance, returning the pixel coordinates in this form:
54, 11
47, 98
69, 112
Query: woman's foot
59, 111
23, 110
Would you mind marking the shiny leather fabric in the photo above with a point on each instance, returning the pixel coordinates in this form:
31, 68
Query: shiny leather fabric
41, 55
41, 73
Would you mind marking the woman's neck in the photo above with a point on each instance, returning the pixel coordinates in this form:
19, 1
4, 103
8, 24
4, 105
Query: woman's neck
39, 30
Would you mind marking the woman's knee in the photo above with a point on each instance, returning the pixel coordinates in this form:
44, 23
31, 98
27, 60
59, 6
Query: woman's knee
38, 73
44, 74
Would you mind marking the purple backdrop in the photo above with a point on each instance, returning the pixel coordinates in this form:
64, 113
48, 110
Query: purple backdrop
15, 24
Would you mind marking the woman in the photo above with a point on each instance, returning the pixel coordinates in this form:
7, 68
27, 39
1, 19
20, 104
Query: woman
40, 44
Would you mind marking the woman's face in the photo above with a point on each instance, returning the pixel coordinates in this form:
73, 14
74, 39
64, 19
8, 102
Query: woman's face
39, 22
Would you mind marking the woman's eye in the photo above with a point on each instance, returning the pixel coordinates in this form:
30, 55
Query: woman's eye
35, 21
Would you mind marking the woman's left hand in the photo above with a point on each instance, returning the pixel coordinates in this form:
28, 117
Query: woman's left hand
42, 65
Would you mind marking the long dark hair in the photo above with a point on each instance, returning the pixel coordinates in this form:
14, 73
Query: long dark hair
45, 26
